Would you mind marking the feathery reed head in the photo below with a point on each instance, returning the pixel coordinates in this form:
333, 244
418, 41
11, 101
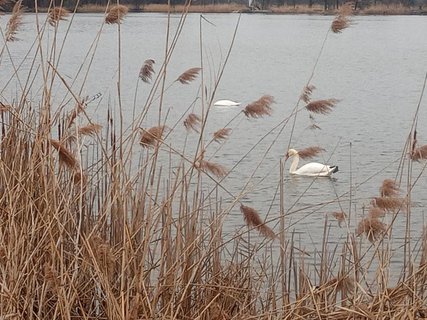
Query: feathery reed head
340, 216
306, 153
147, 70
213, 168
253, 219
189, 75
376, 213
321, 106
116, 14
90, 129
150, 137
65, 155
389, 188
373, 228
419, 153
192, 122
306, 93
14, 22
259, 108
57, 14
342, 20
221, 134
389, 203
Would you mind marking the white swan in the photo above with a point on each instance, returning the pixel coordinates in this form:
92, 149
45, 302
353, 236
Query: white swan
312, 169
226, 103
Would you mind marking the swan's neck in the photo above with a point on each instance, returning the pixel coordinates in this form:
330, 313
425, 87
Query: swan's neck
294, 164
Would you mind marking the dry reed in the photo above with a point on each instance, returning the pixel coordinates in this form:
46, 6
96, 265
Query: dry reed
419, 153
90, 129
310, 152
373, 228
340, 216
147, 70
192, 122
376, 212
221, 134
65, 155
342, 20
14, 22
116, 14
389, 203
57, 14
259, 108
321, 106
189, 75
306, 93
210, 167
151, 136
389, 188
253, 219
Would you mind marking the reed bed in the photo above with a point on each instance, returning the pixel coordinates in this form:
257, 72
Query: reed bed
90, 232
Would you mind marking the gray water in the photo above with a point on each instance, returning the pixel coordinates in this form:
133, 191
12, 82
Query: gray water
376, 68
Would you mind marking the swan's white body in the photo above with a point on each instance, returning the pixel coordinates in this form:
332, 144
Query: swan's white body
226, 103
312, 169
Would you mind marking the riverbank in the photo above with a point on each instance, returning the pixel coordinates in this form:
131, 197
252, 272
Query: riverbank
392, 9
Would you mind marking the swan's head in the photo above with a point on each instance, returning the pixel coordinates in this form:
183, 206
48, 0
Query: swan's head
291, 153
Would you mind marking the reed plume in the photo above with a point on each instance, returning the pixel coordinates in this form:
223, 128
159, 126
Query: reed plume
192, 122
65, 155
373, 228
116, 14
310, 152
419, 153
389, 203
321, 106
189, 75
342, 20
314, 127
57, 14
147, 70
389, 188
90, 129
306, 93
14, 22
340, 216
149, 137
213, 168
259, 108
253, 219
376, 213
221, 134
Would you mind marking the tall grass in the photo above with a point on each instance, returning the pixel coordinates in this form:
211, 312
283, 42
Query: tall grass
91, 231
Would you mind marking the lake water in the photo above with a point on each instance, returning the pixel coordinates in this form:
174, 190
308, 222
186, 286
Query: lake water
376, 68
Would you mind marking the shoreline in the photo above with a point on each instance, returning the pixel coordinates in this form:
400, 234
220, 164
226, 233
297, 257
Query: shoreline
390, 10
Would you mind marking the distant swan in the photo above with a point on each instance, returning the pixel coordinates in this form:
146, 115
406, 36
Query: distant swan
226, 103
312, 169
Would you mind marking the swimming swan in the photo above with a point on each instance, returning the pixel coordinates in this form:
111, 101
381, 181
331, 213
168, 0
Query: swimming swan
312, 169
226, 103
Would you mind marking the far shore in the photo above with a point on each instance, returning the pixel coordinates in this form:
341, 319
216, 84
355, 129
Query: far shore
392, 9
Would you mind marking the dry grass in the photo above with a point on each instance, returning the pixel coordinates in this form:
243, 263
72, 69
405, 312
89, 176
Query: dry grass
107, 228
217, 8
310, 152
57, 14
189, 75
151, 136
322, 106
147, 71
306, 93
192, 122
221, 134
259, 108
14, 22
116, 14
253, 219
